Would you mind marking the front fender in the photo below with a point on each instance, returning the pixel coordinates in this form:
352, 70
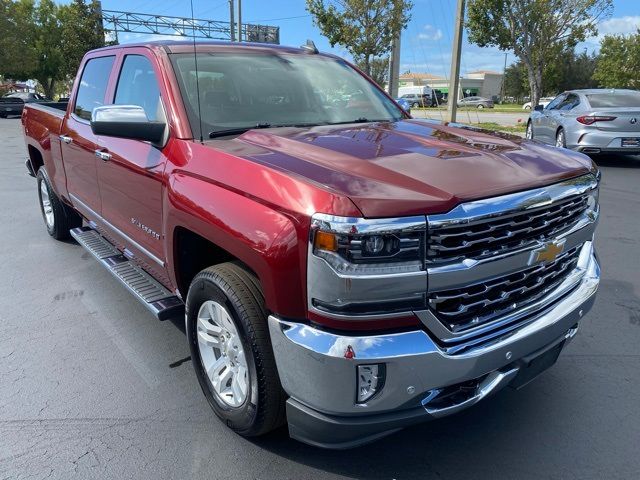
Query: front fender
271, 243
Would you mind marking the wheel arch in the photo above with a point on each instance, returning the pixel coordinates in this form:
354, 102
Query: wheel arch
207, 224
35, 158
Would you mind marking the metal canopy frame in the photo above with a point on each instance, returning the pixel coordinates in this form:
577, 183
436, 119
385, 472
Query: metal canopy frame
129, 22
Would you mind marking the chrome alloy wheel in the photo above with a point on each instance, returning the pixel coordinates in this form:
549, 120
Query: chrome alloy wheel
47, 209
529, 133
222, 354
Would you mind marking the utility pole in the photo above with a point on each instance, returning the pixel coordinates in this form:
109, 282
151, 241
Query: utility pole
454, 77
504, 71
232, 21
394, 67
239, 20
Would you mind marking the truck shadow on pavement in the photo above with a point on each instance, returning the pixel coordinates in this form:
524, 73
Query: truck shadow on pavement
618, 161
490, 437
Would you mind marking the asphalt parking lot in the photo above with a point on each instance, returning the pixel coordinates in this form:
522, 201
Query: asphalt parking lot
91, 386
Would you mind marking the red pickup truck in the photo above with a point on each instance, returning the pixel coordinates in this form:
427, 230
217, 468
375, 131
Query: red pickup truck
341, 267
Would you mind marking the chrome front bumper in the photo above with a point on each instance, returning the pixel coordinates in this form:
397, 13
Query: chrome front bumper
321, 381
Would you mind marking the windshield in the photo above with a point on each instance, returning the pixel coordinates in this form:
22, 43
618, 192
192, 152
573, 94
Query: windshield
245, 90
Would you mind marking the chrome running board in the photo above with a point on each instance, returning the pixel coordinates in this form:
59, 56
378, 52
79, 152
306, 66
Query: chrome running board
158, 299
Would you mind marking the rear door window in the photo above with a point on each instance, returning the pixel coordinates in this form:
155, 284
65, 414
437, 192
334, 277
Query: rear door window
570, 102
93, 86
138, 85
555, 103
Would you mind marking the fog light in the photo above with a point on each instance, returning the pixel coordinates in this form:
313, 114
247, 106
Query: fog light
370, 381
374, 244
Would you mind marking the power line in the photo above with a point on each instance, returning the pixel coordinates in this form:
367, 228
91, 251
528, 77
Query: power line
282, 18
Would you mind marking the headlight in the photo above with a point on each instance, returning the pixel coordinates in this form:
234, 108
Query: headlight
369, 246
594, 199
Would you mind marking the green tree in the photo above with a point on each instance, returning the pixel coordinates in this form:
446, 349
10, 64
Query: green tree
46, 41
536, 30
618, 65
515, 81
82, 31
364, 27
569, 71
378, 70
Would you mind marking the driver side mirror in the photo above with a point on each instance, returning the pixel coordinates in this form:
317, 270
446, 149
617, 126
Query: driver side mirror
539, 108
127, 121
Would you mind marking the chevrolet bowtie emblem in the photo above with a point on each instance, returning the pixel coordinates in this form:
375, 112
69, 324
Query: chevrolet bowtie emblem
548, 252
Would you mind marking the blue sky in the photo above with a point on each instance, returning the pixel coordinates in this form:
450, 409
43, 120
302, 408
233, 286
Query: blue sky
426, 43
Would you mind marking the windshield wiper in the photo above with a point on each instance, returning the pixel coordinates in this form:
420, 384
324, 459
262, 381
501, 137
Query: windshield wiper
364, 120
236, 130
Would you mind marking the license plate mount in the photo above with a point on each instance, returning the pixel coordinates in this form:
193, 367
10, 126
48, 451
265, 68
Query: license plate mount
631, 142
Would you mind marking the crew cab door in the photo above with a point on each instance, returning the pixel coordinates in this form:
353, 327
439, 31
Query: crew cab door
78, 141
130, 172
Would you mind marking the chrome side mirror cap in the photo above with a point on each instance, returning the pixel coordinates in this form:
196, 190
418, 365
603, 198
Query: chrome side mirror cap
127, 121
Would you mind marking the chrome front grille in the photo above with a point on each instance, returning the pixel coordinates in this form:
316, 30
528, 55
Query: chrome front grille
497, 235
490, 263
473, 305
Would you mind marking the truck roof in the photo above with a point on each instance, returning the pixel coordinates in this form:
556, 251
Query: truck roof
183, 46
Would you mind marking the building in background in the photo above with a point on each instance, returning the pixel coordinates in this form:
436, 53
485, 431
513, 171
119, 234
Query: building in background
483, 83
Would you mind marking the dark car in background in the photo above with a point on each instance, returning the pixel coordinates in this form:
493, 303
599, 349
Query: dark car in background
13, 103
475, 102
404, 104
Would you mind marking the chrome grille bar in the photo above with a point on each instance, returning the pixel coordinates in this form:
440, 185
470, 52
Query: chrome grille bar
489, 227
480, 303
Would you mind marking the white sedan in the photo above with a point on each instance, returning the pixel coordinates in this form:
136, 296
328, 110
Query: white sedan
544, 101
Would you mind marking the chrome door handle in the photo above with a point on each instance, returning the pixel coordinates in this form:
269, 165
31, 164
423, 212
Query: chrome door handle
65, 139
102, 155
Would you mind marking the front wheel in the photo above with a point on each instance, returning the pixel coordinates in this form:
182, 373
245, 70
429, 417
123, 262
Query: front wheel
529, 133
561, 140
480, 106
231, 349
58, 217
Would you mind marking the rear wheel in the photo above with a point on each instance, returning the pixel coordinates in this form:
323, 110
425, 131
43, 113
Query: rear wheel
58, 217
561, 140
231, 349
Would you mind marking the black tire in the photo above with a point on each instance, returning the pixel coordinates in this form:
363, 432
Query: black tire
239, 292
64, 217
3, 115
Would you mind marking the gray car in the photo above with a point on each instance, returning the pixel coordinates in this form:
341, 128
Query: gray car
590, 121
475, 102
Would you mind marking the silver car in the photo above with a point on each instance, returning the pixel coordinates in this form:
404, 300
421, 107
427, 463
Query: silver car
591, 121
475, 102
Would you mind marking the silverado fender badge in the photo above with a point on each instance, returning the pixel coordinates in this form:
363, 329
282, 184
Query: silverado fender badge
145, 229
548, 252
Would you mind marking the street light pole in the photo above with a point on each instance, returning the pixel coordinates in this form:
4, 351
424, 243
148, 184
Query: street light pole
454, 77
239, 20
232, 21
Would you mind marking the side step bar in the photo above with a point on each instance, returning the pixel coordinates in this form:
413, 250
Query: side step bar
160, 301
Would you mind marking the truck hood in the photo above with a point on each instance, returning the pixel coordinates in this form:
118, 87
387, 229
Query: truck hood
407, 167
